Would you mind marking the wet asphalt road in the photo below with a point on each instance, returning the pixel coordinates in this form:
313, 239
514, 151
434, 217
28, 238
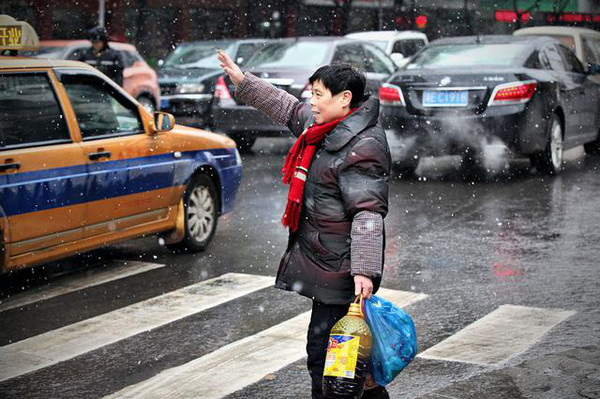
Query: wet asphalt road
516, 238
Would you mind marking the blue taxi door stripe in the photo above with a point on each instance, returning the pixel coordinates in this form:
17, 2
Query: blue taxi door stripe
46, 189
36, 191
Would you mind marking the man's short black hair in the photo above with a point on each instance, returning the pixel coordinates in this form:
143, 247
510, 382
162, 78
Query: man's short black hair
340, 77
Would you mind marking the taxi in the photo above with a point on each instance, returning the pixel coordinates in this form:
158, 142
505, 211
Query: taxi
83, 164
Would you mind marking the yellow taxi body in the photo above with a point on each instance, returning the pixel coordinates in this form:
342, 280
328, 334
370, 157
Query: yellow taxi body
82, 164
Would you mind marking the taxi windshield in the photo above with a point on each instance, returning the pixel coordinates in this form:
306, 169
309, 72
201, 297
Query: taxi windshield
465, 55
291, 54
197, 55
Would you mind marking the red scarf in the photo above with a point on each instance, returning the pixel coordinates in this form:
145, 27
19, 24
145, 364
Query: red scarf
297, 163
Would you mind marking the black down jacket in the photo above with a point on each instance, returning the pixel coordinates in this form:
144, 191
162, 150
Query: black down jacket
106, 61
349, 174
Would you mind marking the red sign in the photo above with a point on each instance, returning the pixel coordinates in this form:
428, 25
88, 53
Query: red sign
510, 16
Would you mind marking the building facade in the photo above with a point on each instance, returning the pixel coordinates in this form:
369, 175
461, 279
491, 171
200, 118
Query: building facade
157, 26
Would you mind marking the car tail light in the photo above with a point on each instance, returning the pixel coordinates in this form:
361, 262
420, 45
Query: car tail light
390, 94
513, 93
221, 89
307, 92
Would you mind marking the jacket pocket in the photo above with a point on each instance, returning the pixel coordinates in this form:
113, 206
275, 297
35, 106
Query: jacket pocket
324, 257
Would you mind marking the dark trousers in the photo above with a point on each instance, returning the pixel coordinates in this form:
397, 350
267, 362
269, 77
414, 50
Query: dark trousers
322, 319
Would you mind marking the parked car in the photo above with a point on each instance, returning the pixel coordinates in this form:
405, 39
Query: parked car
188, 76
458, 94
585, 43
139, 79
83, 164
288, 64
399, 45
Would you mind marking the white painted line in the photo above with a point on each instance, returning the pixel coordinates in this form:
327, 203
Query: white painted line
73, 340
241, 363
500, 335
129, 268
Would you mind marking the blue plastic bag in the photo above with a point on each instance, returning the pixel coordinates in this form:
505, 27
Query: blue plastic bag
394, 339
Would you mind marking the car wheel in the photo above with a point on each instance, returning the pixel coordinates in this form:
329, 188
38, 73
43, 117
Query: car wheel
406, 168
472, 166
243, 140
593, 147
147, 103
549, 161
200, 213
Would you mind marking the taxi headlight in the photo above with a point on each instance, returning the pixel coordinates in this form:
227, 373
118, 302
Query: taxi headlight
187, 88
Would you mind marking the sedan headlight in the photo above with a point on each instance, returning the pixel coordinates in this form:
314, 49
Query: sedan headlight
188, 88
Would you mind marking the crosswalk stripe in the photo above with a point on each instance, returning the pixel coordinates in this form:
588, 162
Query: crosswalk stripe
241, 363
495, 338
128, 269
67, 342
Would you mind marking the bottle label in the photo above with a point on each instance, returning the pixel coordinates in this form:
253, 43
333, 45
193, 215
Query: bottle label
342, 354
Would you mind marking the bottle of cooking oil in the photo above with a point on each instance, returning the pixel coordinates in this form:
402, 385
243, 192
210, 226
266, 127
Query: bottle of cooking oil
348, 356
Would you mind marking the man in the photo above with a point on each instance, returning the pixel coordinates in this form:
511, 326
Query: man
338, 171
102, 57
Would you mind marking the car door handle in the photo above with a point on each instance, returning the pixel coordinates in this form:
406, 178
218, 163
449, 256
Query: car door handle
8, 166
94, 156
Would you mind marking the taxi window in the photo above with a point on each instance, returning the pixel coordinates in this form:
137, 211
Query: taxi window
101, 110
29, 111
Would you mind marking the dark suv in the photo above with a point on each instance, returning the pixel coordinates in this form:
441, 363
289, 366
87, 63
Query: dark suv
187, 77
288, 64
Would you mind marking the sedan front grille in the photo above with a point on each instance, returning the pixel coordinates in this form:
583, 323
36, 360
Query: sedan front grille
168, 89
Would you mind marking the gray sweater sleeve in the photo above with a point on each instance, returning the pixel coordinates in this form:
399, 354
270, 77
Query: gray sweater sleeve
277, 104
366, 250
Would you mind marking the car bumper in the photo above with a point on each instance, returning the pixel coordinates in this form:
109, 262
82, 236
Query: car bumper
194, 105
521, 128
244, 118
231, 179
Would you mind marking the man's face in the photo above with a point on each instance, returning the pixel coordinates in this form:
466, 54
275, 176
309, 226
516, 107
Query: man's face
326, 107
98, 45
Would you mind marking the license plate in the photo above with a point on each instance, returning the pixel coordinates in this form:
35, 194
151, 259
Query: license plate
164, 103
445, 98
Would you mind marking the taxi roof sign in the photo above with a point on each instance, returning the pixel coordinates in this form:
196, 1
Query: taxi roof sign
17, 35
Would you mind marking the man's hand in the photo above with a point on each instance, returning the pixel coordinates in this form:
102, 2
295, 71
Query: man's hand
364, 285
235, 73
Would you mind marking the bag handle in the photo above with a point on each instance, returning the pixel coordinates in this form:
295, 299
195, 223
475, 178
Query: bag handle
361, 302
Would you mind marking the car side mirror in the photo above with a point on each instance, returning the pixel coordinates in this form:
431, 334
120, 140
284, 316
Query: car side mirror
398, 59
593, 69
163, 122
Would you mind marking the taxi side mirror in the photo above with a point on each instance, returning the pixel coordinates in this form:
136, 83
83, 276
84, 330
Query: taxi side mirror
163, 122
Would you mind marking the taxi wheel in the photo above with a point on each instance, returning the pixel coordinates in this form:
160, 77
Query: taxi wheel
200, 212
